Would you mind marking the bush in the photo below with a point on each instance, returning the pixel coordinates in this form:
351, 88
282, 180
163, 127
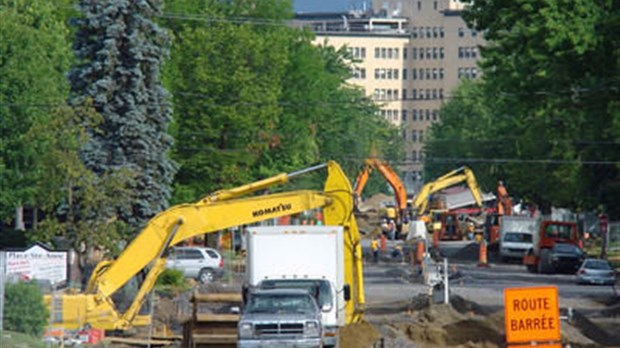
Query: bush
170, 283
24, 309
173, 277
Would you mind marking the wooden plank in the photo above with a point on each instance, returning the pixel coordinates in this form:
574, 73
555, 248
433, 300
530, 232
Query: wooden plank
211, 317
217, 297
138, 341
214, 338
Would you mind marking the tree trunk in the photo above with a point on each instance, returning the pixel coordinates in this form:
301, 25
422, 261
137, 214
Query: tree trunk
19, 218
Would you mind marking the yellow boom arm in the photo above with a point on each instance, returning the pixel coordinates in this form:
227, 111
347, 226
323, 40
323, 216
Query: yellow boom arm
218, 211
463, 174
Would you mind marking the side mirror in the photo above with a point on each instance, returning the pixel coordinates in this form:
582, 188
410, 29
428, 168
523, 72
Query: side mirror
347, 292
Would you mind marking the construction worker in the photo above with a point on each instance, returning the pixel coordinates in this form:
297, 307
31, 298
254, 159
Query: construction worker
374, 245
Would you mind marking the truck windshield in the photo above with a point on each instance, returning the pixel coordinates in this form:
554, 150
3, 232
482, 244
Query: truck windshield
280, 303
518, 237
324, 296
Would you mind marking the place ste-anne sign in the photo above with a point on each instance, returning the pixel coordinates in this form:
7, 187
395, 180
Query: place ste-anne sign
37, 262
532, 314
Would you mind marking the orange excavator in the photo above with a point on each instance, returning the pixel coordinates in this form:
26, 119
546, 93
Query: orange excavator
399, 212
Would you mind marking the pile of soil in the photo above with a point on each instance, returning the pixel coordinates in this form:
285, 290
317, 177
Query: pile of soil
367, 215
359, 335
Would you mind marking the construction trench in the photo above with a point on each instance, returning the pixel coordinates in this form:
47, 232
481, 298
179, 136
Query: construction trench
400, 312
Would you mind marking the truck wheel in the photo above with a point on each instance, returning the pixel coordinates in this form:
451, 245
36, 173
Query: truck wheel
544, 263
206, 276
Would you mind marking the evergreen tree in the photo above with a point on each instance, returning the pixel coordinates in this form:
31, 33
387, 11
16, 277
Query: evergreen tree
120, 50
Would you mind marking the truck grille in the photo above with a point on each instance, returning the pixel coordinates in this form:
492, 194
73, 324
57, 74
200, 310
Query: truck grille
279, 329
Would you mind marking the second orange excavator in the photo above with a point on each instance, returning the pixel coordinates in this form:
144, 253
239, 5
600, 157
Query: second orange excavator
399, 214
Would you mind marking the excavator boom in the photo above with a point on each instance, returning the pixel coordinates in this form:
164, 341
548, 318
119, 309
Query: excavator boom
462, 174
223, 209
389, 175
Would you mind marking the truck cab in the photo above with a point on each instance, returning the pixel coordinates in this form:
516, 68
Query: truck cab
280, 317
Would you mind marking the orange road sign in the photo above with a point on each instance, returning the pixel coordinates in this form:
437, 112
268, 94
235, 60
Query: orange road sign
532, 314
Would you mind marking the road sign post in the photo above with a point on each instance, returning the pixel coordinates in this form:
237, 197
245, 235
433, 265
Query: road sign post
532, 314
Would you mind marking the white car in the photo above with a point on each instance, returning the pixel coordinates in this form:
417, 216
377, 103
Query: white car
202, 264
596, 271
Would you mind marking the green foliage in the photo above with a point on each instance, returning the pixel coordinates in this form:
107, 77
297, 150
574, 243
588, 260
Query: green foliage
545, 117
35, 55
254, 97
171, 283
120, 50
171, 277
24, 310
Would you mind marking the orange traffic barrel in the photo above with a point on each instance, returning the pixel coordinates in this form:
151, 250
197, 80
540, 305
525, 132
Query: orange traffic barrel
482, 257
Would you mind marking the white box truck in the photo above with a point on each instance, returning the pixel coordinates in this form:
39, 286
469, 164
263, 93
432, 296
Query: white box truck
517, 235
308, 257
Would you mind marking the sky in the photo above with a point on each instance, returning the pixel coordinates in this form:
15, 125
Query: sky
325, 5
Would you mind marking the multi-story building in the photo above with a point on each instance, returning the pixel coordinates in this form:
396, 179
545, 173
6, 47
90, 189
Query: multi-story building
411, 55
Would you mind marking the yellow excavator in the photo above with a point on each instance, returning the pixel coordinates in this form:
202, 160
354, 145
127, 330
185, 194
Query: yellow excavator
400, 193
463, 174
97, 307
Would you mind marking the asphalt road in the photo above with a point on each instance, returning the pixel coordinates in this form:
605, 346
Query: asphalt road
391, 281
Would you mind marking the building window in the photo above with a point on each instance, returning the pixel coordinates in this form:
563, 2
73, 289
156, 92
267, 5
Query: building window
440, 52
363, 52
441, 33
419, 5
434, 94
428, 53
404, 94
435, 74
414, 136
405, 53
414, 53
421, 73
434, 52
441, 73
383, 52
421, 96
414, 74
404, 74
403, 114
414, 95
460, 52
377, 52
428, 118
429, 33
435, 5
414, 32
421, 156
435, 31
434, 115
474, 73
428, 73
421, 136
396, 53
461, 32
474, 33
474, 52
363, 73
441, 93
414, 156
414, 114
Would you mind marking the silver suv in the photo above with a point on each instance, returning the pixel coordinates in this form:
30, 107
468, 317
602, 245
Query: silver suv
202, 264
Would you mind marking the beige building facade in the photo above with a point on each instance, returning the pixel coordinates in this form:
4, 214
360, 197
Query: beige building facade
411, 55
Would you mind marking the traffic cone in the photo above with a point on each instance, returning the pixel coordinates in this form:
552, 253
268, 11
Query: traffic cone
482, 257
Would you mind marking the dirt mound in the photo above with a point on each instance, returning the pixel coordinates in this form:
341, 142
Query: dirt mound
359, 335
374, 202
